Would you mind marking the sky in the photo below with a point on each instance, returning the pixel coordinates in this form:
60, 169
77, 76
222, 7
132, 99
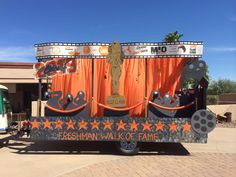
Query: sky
24, 23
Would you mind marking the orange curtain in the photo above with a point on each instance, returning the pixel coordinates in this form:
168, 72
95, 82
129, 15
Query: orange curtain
81, 80
163, 75
132, 84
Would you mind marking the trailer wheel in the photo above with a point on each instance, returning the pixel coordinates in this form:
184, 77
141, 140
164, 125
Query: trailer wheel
128, 147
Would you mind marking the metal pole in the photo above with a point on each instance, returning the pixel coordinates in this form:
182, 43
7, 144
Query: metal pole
40, 97
196, 94
204, 96
19, 122
92, 106
146, 100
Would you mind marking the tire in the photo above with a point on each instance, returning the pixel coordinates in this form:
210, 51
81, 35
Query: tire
128, 148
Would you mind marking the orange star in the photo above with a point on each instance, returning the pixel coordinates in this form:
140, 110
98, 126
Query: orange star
107, 125
95, 125
47, 124
173, 126
70, 124
186, 127
121, 125
159, 126
58, 124
133, 125
35, 124
83, 125
146, 126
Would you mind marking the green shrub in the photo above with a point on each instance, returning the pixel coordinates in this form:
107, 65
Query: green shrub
212, 99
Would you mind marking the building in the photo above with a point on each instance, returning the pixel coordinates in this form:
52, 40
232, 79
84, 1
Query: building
18, 77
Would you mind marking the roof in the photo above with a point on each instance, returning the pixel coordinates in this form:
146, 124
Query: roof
17, 72
17, 65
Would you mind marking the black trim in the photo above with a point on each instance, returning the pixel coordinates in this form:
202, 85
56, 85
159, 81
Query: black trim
123, 44
45, 58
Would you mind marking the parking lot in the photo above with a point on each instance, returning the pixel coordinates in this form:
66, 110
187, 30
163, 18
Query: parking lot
23, 157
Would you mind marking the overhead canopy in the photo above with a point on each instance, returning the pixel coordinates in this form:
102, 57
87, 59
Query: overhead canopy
131, 50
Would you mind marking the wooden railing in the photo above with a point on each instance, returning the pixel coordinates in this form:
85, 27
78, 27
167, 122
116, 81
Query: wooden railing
19, 118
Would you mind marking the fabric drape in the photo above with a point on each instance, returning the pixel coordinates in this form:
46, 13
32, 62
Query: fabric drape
163, 75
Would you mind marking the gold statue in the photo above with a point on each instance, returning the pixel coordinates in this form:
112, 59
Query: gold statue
115, 58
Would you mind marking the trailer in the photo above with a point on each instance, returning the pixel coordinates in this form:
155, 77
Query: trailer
5, 109
124, 92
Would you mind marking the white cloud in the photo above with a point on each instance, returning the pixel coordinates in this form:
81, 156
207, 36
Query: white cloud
222, 49
17, 53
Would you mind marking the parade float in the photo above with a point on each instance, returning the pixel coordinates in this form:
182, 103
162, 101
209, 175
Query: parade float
124, 92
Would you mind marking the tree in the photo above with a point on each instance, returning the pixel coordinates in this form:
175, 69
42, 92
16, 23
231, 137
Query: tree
173, 37
222, 86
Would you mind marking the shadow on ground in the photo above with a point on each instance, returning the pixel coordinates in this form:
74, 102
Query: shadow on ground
27, 146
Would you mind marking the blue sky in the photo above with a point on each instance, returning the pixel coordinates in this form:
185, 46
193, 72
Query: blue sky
26, 22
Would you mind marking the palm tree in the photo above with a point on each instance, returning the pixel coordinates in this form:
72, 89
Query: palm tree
173, 37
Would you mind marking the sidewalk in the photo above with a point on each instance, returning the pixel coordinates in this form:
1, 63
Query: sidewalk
196, 165
217, 158
49, 159
221, 140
